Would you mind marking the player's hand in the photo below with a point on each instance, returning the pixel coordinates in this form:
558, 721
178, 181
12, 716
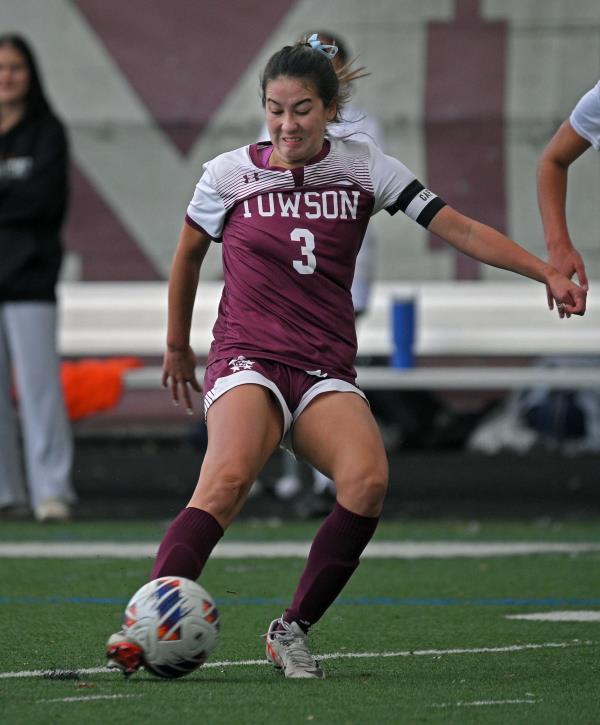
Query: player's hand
567, 260
179, 373
570, 298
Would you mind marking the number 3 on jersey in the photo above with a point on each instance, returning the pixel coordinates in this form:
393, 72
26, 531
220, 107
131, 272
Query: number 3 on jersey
310, 264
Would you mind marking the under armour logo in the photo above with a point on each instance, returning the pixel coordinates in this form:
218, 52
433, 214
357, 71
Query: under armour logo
247, 180
317, 373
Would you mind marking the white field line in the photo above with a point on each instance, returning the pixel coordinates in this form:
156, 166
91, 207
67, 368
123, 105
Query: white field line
70, 674
481, 703
82, 698
281, 549
566, 616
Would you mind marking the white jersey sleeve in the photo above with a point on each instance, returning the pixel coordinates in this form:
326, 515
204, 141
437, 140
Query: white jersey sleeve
370, 131
357, 125
207, 208
585, 117
397, 189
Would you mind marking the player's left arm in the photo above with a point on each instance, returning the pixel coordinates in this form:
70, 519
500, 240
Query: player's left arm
489, 246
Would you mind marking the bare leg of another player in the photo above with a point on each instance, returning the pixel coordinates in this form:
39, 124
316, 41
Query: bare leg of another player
289, 484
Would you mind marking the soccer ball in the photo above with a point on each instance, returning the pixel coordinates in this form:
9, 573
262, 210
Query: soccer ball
175, 622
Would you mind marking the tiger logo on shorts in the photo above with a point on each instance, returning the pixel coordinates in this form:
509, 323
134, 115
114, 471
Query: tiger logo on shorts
240, 363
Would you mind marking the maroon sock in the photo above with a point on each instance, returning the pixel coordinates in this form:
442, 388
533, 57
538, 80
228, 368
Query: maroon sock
333, 557
187, 544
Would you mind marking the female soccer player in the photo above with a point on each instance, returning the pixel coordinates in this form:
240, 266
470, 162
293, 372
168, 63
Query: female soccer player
291, 215
358, 125
576, 135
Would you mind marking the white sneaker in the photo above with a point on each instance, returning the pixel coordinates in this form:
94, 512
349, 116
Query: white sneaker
53, 509
123, 654
287, 650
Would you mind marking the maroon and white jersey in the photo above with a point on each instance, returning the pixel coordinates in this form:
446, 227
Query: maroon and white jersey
290, 239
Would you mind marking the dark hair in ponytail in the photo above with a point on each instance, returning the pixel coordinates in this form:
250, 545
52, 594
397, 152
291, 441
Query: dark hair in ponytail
314, 66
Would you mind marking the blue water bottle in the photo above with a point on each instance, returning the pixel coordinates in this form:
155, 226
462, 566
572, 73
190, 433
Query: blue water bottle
403, 332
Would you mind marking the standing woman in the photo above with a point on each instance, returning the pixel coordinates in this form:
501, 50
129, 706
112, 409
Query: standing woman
291, 214
33, 197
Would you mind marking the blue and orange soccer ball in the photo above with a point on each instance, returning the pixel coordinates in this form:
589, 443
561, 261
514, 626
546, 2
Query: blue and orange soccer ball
176, 624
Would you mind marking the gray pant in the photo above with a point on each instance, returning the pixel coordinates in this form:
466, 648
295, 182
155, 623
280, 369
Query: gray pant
28, 350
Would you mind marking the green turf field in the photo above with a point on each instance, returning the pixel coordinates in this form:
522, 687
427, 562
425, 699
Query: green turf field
409, 641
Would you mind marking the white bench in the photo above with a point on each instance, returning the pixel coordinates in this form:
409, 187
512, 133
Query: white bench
480, 319
454, 320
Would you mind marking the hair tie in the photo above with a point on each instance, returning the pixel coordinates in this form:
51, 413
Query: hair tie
329, 50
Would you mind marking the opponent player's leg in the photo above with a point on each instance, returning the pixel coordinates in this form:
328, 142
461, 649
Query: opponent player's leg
244, 427
337, 434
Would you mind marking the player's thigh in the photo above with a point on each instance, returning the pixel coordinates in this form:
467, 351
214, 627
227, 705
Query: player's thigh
244, 428
338, 434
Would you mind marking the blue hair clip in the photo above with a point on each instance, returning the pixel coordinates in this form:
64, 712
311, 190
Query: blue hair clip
329, 50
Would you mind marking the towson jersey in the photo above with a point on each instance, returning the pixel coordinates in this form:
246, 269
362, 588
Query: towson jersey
290, 240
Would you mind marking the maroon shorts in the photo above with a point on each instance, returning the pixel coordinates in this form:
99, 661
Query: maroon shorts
293, 388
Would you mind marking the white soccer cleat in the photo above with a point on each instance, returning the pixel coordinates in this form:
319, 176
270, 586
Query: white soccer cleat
123, 654
287, 650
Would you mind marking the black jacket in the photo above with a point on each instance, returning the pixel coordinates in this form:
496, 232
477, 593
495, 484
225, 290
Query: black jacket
33, 198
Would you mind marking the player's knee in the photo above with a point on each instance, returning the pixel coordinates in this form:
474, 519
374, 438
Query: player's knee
364, 490
375, 486
224, 491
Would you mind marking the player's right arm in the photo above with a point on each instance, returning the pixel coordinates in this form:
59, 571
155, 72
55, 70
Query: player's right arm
179, 366
562, 150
